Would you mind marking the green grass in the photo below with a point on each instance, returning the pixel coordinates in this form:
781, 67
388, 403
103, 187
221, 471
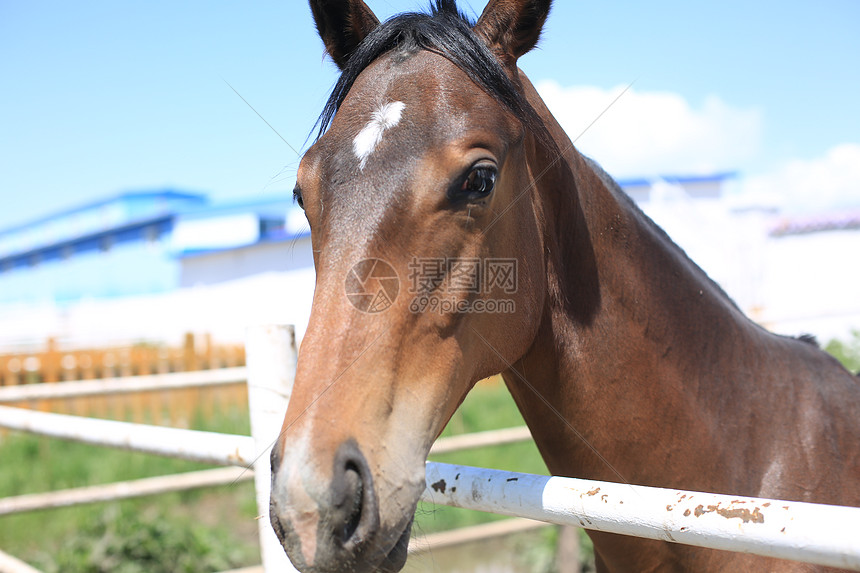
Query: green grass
56, 540
125, 540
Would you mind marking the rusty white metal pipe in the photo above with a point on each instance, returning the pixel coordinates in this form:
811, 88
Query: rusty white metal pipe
205, 447
819, 534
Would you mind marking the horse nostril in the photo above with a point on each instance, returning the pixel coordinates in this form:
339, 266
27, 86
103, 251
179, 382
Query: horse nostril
276, 458
355, 487
354, 518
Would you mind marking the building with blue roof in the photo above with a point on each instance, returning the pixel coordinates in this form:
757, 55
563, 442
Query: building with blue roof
235, 240
109, 248
134, 243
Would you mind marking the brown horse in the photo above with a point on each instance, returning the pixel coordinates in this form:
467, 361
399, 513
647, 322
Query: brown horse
442, 187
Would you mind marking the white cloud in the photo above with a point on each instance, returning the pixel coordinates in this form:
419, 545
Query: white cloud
652, 133
826, 182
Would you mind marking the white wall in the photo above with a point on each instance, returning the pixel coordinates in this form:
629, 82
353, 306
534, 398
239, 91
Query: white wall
224, 310
221, 266
812, 284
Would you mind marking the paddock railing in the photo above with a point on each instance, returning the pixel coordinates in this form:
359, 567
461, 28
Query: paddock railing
812, 533
270, 373
271, 362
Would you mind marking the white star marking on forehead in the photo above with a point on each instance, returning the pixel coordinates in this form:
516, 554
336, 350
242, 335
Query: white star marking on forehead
386, 117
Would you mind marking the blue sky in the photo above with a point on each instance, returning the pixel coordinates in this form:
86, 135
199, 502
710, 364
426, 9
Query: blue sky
102, 97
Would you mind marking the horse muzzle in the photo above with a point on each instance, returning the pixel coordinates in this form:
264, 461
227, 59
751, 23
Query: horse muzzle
333, 524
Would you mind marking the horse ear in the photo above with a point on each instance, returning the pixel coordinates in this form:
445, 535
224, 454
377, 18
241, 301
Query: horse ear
512, 27
342, 25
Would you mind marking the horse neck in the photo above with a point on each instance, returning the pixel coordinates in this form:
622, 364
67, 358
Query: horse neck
620, 279
630, 324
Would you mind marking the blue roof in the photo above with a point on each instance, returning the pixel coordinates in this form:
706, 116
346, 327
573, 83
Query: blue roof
91, 219
267, 205
679, 179
127, 196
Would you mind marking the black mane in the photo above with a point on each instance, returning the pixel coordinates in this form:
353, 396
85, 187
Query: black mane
445, 31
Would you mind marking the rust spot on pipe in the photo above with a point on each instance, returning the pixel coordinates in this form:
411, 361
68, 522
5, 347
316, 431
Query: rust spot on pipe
440, 486
236, 459
593, 492
742, 513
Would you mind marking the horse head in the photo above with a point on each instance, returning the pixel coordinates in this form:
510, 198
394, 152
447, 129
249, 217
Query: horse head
426, 239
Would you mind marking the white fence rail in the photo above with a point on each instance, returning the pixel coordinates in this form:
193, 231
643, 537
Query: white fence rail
819, 534
123, 490
194, 445
9, 564
825, 535
123, 385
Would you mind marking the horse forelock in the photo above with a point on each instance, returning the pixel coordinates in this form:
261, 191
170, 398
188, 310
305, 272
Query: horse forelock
447, 32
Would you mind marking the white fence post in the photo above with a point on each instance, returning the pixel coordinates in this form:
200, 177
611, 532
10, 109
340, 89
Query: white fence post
271, 358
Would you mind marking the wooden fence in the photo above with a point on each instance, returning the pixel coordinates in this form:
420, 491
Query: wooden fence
54, 363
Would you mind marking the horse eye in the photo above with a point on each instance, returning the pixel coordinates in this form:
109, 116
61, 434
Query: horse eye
297, 197
480, 182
